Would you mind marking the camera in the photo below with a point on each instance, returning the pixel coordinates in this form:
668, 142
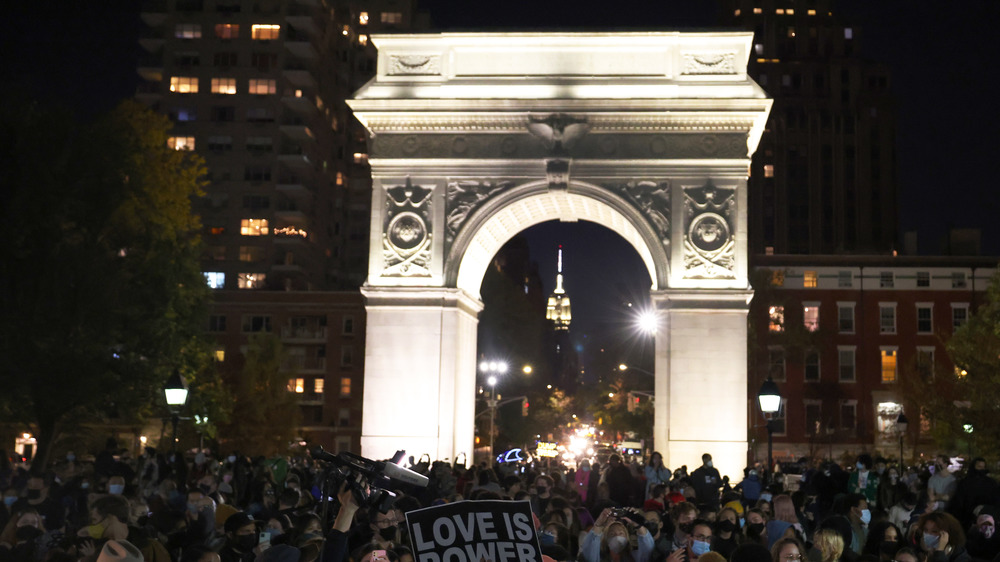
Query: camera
367, 479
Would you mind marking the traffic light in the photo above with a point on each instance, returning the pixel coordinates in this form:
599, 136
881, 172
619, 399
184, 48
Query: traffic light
524, 407
633, 402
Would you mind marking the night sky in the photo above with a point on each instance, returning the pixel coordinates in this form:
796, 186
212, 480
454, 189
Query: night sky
943, 57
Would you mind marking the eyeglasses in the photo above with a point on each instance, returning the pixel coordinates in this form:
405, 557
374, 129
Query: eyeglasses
793, 557
702, 537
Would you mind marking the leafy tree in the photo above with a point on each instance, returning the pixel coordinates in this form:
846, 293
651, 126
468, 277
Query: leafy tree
100, 287
968, 394
265, 416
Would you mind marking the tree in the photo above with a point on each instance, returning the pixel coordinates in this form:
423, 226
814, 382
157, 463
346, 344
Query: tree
265, 417
969, 394
101, 292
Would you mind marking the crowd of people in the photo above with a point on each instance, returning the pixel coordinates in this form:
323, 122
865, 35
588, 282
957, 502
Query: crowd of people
201, 508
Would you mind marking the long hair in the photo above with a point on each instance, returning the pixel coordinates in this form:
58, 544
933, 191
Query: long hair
830, 544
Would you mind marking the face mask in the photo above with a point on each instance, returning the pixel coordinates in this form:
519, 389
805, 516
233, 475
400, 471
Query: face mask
585, 468
116, 489
860, 466
743, 522
727, 526
389, 533
754, 530
866, 516
9, 500
931, 541
700, 547
541, 489
686, 528
306, 537
709, 465
546, 538
766, 497
246, 543
617, 544
34, 494
28, 533
192, 508
888, 548
95, 531
70, 458
231, 458
986, 530
84, 485
205, 488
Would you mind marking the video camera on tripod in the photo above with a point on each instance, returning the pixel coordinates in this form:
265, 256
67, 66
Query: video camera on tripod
368, 480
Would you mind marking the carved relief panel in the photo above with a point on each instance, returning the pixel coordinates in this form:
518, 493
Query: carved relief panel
464, 197
406, 231
652, 199
709, 215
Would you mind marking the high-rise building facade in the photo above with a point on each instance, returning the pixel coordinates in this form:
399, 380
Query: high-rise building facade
823, 180
257, 88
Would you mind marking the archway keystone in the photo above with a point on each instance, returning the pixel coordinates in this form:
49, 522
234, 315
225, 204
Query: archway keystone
476, 137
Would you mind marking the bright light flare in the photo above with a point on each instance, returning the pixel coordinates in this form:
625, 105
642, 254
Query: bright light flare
648, 321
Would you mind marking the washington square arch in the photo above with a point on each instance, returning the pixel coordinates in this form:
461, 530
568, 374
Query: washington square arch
477, 137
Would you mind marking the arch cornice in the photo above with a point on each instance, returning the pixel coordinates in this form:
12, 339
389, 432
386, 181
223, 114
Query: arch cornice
512, 211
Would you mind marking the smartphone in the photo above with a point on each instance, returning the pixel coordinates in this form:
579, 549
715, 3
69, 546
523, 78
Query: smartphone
379, 555
264, 537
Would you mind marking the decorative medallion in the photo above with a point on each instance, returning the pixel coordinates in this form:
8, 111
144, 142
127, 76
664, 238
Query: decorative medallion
709, 244
418, 65
406, 240
709, 63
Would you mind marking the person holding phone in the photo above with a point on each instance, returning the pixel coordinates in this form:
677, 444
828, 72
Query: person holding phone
610, 540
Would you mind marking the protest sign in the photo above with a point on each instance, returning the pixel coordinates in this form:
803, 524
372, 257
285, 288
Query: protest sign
474, 531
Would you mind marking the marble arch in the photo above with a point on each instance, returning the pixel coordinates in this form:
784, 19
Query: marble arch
476, 137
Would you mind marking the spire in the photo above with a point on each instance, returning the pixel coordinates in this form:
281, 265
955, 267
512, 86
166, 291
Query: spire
558, 309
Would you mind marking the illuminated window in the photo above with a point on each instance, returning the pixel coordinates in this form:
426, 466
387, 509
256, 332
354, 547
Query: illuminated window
791, 32
264, 32
250, 280
345, 387
810, 363
888, 364
253, 227
360, 158
220, 354
184, 84
809, 279
780, 11
362, 39
776, 363
811, 12
181, 143
845, 360
959, 314
758, 48
925, 318
776, 319
758, 11
887, 318
227, 30
223, 85
848, 33
215, 279
318, 385
184, 114
187, 31
392, 17
778, 278
768, 170
845, 318
346, 31
363, 18
790, 12
340, 178
263, 86
736, 12
297, 385
810, 316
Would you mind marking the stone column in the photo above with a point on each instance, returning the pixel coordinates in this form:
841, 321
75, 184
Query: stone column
420, 361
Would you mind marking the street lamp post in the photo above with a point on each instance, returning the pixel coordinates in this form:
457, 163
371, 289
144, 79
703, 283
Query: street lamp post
492, 368
176, 394
769, 399
901, 424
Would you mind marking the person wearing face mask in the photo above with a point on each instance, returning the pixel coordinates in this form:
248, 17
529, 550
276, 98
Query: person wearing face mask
859, 516
726, 538
977, 488
863, 480
755, 525
891, 488
699, 542
656, 473
582, 480
750, 488
682, 516
707, 482
543, 493
884, 539
942, 485
37, 498
20, 538
983, 542
609, 541
941, 538
241, 539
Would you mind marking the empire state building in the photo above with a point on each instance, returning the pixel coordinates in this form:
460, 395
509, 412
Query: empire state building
558, 309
